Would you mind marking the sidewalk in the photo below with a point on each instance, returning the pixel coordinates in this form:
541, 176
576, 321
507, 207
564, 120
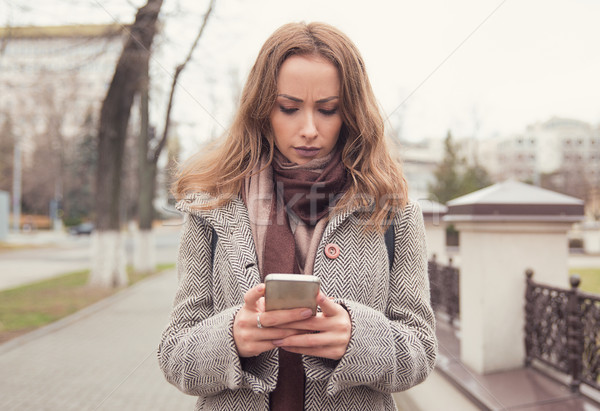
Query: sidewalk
102, 358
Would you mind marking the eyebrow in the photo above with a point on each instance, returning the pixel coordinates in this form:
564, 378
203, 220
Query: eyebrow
297, 100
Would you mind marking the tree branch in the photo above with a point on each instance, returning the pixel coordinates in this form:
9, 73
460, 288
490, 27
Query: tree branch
178, 71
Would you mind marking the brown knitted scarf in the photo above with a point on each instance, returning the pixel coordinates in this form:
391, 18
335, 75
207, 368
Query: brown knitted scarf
308, 196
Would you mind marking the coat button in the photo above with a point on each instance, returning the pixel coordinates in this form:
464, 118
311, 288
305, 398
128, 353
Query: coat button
332, 251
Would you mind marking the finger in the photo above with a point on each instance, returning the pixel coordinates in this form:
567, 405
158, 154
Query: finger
315, 323
255, 348
270, 334
253, 295
277, 318
328, 307
310, 340
248, 338
334, 353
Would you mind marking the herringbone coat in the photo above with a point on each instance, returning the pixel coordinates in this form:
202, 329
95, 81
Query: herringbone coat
392, 345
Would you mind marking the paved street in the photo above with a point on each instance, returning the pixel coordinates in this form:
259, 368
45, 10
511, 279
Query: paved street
58, 253
30, 265
100, 359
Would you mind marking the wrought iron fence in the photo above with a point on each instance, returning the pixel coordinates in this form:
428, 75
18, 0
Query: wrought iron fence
443, 282
562, 330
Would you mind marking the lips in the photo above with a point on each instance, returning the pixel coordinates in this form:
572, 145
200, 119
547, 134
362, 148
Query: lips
307, 151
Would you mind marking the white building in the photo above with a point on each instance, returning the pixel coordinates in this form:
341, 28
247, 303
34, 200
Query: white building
60, 69
566, 151
51, 80
419, 161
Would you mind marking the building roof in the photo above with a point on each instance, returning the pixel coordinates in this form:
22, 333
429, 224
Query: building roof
565, 122
81, 30
432, 207
515, 201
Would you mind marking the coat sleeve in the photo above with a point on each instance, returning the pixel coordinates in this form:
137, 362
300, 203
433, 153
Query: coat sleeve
395, 350
197, 352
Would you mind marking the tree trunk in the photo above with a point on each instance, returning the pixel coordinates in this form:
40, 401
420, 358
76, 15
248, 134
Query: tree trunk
107, 267
144, 245
144, 257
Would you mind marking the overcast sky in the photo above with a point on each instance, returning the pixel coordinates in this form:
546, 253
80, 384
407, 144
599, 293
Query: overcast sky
476, 67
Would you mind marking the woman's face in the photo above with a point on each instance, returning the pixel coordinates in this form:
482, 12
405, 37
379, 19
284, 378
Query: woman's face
306, 117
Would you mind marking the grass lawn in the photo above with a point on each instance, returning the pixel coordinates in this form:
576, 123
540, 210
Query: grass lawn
31, 306
590, 279
12, 247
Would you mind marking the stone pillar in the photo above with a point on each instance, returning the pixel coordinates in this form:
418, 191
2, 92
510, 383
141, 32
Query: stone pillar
505, 229
4, 214
435, 229
591, 237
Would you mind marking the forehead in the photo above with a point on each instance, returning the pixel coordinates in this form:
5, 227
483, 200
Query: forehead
308, 73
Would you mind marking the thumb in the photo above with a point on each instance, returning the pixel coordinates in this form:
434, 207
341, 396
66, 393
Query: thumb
328, 307
254, 294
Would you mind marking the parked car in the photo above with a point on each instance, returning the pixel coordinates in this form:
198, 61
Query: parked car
82, 229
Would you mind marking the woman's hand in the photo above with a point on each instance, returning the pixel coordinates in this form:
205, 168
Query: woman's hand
251, 340
333, 328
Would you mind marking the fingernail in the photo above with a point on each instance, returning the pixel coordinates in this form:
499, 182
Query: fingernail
277, 342
306, 313
261, 288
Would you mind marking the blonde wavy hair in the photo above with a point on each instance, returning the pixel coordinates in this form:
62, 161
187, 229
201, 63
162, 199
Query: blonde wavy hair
377, 183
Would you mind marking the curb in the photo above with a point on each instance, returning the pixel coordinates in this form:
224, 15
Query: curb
76, 316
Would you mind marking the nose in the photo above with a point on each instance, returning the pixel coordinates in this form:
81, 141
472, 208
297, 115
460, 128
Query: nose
309, 128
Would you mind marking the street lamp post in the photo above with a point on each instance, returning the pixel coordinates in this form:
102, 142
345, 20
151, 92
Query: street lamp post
16, 189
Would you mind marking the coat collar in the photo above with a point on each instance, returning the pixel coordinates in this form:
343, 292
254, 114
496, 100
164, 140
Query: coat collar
234, 212
231, 222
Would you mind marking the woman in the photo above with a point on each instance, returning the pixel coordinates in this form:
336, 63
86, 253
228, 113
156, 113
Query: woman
302, 184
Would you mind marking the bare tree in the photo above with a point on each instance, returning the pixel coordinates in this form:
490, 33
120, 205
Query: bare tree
44, 174
148, 160
81, 154
7, 148
108, 265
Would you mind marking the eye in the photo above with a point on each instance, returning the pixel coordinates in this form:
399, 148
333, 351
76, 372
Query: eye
328, 112
287, 110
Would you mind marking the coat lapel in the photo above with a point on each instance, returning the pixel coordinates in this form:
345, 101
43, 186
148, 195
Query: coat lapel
232, 226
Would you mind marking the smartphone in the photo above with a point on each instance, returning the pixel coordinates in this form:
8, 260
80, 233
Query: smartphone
285, 291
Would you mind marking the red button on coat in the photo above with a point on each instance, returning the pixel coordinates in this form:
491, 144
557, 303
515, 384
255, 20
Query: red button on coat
332, 251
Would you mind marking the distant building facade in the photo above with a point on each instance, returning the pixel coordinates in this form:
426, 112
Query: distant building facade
560, 154
63, 68
419, 162
52, 83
